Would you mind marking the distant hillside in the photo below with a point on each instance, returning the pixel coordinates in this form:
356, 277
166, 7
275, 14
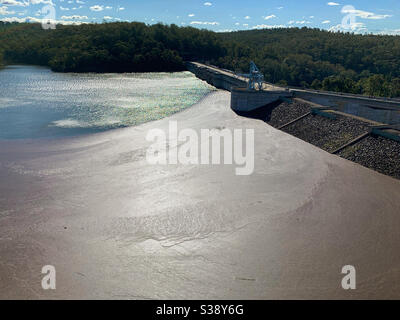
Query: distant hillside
362, 64
319, 59
108, 47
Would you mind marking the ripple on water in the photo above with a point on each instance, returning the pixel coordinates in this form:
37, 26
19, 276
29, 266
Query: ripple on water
38, 103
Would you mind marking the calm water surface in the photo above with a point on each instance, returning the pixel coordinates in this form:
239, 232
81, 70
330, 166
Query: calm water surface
38, 103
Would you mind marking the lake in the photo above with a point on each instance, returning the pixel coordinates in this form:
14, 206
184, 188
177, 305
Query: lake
38, 103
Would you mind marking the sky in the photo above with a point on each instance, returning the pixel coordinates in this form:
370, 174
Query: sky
359, 16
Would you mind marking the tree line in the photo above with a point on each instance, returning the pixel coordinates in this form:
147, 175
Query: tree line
108, 47
310, 58
318, 59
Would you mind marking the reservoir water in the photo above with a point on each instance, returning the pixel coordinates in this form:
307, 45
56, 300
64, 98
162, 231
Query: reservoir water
38, 103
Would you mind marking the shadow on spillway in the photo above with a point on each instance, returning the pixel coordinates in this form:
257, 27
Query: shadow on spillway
262, 113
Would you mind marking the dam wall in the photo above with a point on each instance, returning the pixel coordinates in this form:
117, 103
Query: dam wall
241, 98
382, 110
376, 109
221, 79
245, 100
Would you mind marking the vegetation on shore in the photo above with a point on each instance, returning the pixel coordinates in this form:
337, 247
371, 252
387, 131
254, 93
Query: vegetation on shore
108, 47
312, 58
1, 59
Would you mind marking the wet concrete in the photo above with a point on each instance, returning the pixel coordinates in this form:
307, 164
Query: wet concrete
116, 227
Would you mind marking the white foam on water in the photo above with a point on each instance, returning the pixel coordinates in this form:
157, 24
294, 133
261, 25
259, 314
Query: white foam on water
10, 102
72, 123
69, 123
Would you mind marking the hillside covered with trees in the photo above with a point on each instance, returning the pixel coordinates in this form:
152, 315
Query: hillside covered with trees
344, 62
108, 47
312, 58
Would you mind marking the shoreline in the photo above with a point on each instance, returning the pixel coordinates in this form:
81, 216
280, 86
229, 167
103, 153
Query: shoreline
116, 227
83, 72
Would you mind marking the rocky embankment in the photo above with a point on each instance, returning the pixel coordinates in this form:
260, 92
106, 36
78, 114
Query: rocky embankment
377, 153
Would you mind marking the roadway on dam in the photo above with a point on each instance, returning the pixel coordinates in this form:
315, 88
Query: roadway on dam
117, 227
231, 74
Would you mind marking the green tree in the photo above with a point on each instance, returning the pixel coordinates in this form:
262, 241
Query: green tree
376, 85
395, 87
316, 84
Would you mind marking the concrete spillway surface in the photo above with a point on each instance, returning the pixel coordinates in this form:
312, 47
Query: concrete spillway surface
115, 226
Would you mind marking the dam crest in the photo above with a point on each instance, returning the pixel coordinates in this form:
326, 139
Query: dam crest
385, 111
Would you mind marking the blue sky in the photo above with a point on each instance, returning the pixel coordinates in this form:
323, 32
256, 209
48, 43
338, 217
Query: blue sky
219, 15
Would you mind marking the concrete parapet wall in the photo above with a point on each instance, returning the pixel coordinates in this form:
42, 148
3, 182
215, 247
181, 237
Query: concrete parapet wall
376, 109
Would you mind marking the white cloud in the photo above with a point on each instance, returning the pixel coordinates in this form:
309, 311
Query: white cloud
266, 26
4, 11
395, 32
270, 17
205, 23
357, 27
75, 17
326, 21
364, 14
13, 19
97, 8
333, 4
50, 2
25, 3
208, 4
12, 3
37, 20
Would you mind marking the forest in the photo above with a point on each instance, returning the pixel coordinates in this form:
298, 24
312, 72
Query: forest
108, 47
310, 58
318, 59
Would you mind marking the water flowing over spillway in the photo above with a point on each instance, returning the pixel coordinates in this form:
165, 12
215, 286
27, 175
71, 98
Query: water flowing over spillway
38, 103
116, 227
